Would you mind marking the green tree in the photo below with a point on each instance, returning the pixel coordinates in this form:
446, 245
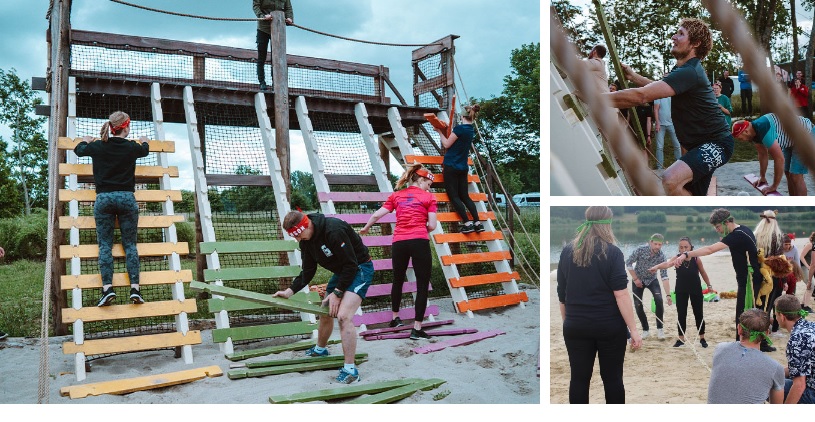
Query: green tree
303, 191
29, 160
10, 192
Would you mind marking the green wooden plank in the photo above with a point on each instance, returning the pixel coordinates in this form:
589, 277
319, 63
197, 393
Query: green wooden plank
264, 351
248, 246
338, 393
279, 362
263, 331
251, 273
260, 298
231, 304
285, 369
398, 393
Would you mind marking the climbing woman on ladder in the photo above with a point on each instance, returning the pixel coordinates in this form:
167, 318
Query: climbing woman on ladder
456, 170
415, 216
114, 173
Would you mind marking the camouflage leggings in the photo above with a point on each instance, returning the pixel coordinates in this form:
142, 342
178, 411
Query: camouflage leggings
109, 206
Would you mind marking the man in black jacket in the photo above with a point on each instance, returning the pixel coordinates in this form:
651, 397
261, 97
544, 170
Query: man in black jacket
727, 84
334, 245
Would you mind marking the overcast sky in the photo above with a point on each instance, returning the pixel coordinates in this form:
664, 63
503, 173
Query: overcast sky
489, 31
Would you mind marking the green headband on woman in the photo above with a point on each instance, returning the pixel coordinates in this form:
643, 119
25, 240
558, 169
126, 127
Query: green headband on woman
755, 334
586, 226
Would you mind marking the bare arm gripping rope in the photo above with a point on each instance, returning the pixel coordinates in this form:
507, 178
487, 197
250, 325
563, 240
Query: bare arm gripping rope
257, 19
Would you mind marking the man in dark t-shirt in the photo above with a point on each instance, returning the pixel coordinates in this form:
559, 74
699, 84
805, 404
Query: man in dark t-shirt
743, 252
698, 120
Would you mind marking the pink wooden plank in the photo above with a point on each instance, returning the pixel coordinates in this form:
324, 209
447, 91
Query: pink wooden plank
468, 339
363, 218
377, 240
431, 333
386, 264
376, 290
404, 327
353, 196
386, 316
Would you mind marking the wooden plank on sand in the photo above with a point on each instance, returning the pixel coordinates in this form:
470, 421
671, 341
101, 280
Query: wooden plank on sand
264, 351
399, 393
404, 327
341, 392
260, 298
468, 339
140, 384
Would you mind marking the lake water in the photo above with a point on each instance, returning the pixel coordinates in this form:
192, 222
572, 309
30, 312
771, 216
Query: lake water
631, 236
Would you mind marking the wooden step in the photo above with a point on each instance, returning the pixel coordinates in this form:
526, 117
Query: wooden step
450, 217
231, 304
66, 143
252, 273
264, 351
438, 179
473, 258
383, 196
384, 289
430, 159
341, 392
130, 385
132, 343
481, 279
142, 195
398, 393
145, 249
376, 241
147, 309
443, 217
492, 302
281, 329
295, 361
286, 369
381, 317
142, 172
146, 278
145, 222
256, 246
467, 237
475, 196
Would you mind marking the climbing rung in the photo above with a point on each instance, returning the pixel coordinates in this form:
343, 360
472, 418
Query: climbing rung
475, 196
386, 264
370, 241
375, 290
145, 222
472, 258
251, 273
449, 217
382, 196
492, 302
147, 309
146, 172
467, 237
145, 249
481, 279
132, 343
438, 179
429, 159
89, 195
248, 246
146, 278
231, 304
155, 146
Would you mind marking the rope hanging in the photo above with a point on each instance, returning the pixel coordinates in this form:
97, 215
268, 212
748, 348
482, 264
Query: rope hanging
186, 15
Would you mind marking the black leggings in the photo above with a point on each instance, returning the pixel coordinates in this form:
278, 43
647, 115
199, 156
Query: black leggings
583, 343
696, 302
403, 251
263, 47
455, 183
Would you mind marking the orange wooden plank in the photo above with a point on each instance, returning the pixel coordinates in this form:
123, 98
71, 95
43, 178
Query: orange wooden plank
429, 159
435, 122
472, 258
477, 280
438, 179
475, 196
467, 237
492, 302
448, 217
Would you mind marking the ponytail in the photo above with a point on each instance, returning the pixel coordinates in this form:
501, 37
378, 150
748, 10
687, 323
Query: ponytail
117, 122
472, 111
105, 132
409, 175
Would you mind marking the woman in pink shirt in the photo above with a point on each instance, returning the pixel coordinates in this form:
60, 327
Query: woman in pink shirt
415, 216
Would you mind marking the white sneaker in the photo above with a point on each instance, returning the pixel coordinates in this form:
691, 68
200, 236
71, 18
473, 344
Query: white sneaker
645, 334
660, 334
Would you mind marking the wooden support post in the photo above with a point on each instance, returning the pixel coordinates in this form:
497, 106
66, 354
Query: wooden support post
280, 80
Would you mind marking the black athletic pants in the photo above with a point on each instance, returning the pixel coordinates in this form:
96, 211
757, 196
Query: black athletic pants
403, 251
747, 102
638, 305
696, 302
607, 343
263, 47
455, 183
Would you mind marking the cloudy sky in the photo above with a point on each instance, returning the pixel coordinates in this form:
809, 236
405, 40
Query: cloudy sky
489, 31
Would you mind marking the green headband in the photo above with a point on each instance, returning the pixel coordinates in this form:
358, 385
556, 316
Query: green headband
586, 226
801, 313
724, 226
754, 335
656, 238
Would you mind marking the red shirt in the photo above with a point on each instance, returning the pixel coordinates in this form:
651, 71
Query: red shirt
800, 95
412, 205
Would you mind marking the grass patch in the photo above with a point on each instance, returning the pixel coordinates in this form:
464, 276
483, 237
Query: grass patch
21, 285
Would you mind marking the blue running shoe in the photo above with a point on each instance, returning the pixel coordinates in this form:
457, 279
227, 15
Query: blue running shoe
312, 353
346, 377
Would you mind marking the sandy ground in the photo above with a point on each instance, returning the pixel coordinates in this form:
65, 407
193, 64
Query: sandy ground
501, 369
658, 373
730, 180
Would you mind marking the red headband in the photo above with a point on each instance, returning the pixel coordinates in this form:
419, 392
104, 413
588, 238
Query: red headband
424, 173
299, 227
114, 129
740, 127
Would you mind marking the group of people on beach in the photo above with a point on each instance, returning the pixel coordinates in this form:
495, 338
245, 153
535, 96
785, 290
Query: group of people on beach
598, 322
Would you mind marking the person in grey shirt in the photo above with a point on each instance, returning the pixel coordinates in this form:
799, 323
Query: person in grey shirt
638, 265
662, 111
741, 373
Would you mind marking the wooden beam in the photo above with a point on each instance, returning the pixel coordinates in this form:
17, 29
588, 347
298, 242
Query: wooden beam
252, 273
264, 351
131, 385
295, 361
145, 222
472, 258
146, 278
481, 279
371, 318
69, 144
398, 393
467, 237
88, 195
492, 302
460, 341
249, 246
265, 299
386, 330
132, 343
150, 172
145, 249
147, 309
431, 333
254, 332
286, 369
231, 304
341, 392
430, 159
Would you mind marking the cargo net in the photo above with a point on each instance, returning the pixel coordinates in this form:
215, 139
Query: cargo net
432, 67
119, 61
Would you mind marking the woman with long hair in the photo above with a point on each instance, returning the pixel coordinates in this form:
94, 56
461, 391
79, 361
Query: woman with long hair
770, 238
114, 173
415, 210
596, 307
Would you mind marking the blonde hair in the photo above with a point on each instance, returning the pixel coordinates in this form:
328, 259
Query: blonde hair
409, 176
115, 120
596, 234
471, 112
768, 234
